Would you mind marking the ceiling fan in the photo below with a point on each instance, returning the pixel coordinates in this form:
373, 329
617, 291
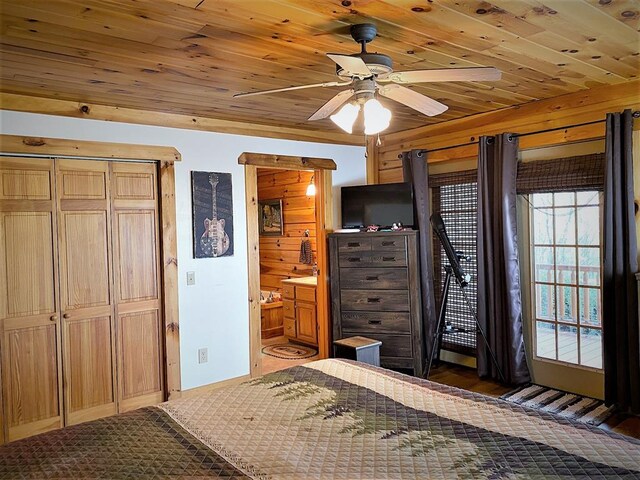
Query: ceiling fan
367, 73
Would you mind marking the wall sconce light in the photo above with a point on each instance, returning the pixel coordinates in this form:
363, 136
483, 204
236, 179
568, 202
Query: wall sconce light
376, 117
311, 188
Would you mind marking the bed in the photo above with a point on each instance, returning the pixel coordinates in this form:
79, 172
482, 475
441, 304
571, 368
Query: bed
327, 419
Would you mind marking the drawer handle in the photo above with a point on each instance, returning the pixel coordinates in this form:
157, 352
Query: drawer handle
388, 259
354, 259
372, 277
388, 244
373, 300
375, 322
353, 244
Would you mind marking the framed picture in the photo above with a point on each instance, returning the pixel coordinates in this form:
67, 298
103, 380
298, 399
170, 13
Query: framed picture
212, 202
270, 217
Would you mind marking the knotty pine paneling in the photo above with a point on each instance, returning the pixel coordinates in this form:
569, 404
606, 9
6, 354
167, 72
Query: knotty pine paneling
571, 109
190, 56
279, 256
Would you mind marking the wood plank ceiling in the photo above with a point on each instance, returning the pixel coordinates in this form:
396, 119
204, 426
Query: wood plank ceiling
191, 56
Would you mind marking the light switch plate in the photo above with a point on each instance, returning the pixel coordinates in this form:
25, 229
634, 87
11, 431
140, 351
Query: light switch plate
191, 278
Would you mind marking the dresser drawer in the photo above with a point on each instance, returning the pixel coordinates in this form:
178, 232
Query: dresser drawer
373, 259
376, 300
288, 308
346, 244
306, 294
392, 345
383, 244
288, 291
374, 277
377, 322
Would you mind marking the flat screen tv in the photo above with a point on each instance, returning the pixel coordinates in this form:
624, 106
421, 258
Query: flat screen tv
381, 205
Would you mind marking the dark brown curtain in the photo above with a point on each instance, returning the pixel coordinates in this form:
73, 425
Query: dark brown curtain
499, 299
619, 292
414, 165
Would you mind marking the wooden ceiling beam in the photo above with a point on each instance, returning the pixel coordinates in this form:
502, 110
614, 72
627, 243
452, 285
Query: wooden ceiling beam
68, 108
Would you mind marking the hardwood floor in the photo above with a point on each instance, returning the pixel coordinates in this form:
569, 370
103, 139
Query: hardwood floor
467, 379
272, 364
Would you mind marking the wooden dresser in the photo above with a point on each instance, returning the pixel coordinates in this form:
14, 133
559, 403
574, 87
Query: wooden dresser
299, 307
375, 293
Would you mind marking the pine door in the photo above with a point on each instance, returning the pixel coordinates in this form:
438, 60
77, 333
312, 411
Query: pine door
136, 244
88, 327
29, 311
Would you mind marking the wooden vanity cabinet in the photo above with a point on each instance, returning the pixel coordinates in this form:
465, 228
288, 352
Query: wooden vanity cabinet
299, 309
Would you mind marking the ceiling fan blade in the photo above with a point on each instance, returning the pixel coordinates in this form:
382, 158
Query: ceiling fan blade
351, 65
415, 100
446, 75
332, 105
299, 87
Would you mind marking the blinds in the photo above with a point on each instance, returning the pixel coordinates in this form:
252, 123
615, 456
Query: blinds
455, 197
584, 172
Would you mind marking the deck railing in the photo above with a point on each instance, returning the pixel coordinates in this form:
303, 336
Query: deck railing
566, 296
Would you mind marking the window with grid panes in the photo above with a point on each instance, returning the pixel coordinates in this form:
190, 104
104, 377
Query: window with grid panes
455, 197
566, 277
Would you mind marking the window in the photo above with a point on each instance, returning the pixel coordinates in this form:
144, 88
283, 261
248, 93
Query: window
566, 271
455, 197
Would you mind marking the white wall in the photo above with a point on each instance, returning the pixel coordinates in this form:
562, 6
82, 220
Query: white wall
213, 312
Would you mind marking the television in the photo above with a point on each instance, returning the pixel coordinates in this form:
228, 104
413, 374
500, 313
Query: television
381, 205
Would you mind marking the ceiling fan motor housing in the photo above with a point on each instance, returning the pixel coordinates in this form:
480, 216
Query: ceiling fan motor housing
379, 64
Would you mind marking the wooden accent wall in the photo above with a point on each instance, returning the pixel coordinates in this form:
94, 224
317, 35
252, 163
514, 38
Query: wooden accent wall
575, 108
279, 255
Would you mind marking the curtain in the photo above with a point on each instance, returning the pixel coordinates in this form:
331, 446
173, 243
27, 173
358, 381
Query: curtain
619, 292
499, 299
414, 165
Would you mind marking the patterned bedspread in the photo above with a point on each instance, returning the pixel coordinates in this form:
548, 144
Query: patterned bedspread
328, 419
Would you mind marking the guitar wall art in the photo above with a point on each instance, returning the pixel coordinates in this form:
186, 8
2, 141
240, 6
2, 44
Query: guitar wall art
212, 201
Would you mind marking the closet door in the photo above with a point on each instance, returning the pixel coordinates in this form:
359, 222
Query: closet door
29, 311
88, 334
137, 284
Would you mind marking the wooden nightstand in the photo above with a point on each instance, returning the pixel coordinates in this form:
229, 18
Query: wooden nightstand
361, 349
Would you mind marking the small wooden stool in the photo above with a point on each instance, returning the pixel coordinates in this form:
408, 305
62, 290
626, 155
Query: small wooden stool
361, 349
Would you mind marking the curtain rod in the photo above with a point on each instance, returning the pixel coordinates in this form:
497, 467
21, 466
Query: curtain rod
635, 114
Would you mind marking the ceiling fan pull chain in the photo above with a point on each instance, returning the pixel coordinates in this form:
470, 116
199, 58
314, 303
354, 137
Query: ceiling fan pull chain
378, 141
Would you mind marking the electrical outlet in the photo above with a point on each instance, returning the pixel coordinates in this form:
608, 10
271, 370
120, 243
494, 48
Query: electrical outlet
203, 355
191, 278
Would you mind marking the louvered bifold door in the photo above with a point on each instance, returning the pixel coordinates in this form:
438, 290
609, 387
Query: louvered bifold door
88, 332
137, 284
31, 383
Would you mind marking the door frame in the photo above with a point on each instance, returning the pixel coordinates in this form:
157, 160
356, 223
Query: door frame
165, 158
322, 168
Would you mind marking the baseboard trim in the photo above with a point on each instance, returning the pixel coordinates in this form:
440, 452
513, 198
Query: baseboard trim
458, 358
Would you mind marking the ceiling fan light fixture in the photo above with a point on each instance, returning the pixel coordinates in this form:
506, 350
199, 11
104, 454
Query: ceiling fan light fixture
376, 117
346, 117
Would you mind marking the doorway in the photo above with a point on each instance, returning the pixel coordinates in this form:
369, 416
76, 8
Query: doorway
288, 253
304, 296
561, 259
